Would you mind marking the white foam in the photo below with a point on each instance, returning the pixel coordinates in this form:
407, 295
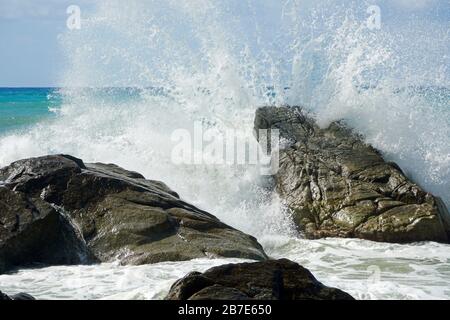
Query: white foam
104, 281
371, 270
365, 269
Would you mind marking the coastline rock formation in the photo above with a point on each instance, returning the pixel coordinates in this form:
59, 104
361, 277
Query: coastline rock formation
56, 210
267, 280
19, 296
338, 186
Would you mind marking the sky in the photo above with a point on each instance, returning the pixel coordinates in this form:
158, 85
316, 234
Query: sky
31, 53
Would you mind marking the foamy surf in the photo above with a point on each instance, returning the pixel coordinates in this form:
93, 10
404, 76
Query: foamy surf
367, 270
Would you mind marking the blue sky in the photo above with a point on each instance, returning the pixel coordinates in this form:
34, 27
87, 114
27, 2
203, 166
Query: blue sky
30, 52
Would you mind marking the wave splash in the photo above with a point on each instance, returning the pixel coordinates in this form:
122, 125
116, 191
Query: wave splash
138, 72
216, 62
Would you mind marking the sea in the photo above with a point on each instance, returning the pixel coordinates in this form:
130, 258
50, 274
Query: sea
138, 72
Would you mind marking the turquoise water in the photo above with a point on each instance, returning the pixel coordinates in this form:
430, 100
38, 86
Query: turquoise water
20, 108
23, 107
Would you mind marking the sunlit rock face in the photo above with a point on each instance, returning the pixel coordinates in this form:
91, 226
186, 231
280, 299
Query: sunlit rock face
338, 186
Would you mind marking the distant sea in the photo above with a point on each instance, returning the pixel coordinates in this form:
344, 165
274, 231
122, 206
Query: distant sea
23, 107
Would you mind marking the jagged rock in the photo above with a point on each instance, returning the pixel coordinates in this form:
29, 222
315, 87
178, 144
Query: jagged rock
267, 280
4, 297
338, 186
19, 296
58, 210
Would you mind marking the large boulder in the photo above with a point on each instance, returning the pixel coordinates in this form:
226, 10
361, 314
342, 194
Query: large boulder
34, 231
338, 186
19, 296
58, 210
267, 280
4, 297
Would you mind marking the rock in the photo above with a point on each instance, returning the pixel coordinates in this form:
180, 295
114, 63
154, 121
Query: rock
23, 297
4, 297
33, 231
19, 296
57, 210
267, 280
338, 186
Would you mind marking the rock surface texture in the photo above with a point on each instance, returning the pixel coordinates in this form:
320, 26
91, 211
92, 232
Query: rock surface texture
57, 210
267, 280
19, 296
338, 186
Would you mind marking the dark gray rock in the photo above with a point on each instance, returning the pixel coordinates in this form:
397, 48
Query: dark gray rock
19, 296
57, 210
33, 231
338, 186
267, 280
4, 297
23, 297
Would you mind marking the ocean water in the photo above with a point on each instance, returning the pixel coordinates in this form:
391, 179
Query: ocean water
22, 107
136, 73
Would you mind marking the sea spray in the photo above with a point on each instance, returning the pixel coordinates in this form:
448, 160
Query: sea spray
139, 70
216, 62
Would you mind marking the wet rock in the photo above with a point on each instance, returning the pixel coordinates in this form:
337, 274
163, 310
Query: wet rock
58, 210
23, 297
267, 280
32, 231
338, 186
4, 297
19, 296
